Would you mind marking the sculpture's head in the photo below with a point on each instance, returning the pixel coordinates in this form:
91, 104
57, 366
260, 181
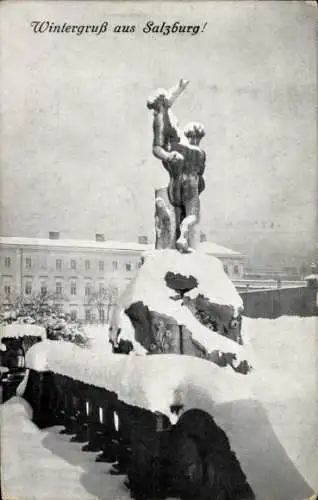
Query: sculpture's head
194, 132
158, 100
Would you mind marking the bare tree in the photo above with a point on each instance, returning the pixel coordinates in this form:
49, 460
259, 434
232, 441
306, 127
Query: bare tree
103, 300
35, 308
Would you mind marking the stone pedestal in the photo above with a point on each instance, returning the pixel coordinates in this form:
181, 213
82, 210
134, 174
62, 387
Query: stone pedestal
184, 304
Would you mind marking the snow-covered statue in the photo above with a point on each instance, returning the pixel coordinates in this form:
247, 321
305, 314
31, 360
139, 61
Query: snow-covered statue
178, 212
180, 304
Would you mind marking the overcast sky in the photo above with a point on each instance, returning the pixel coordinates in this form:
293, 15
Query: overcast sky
76, 134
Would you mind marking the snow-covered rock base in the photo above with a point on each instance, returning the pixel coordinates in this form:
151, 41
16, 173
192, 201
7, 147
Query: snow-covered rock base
183, 304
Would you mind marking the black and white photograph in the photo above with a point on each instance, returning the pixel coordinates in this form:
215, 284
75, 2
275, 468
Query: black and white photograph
158, 250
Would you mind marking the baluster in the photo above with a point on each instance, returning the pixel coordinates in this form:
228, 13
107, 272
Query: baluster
122, 441
94, 425
59, 410
36, 396
46, 391
109, 447
68, 404
80, 414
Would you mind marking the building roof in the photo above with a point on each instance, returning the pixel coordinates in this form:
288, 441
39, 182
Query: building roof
218, 250
61, 243
16, 241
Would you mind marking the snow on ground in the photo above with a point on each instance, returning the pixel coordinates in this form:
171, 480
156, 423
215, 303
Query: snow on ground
286, 357
285, 351
44, 465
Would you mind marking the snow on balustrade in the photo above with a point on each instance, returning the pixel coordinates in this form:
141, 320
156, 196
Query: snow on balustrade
17, 330
150, 382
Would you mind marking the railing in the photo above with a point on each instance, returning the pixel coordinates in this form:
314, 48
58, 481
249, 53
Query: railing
134, 410
301, 301
96, 417
158, 458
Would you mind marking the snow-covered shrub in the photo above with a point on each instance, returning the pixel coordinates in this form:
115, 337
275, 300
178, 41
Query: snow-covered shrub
60, 329
42, 310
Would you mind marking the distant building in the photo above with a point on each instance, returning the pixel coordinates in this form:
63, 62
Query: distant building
233, 261
85, 277
74, 271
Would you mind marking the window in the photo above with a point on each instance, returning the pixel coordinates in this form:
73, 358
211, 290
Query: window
54, 235
59, 308
128, 266
58, 264
28, 262
236, 269
115, 265
101, 288
73, 315
7, 262
226, 269
28, 288
7, 290
87, 289
43, 289
101, 265
114, 292
73, 264
87, 265
99, 237
73, 288
58, 288
87, 314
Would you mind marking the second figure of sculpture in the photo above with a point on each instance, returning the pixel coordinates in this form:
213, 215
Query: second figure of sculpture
184, 160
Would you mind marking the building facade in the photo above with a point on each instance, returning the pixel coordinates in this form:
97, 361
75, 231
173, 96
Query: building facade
233, 261
84, 277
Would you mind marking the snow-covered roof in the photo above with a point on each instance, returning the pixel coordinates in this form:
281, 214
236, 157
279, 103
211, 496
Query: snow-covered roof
218, 250
207, 247
22, 330
61, 243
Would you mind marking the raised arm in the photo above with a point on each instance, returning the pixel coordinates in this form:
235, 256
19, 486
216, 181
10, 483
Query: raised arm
175, 91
